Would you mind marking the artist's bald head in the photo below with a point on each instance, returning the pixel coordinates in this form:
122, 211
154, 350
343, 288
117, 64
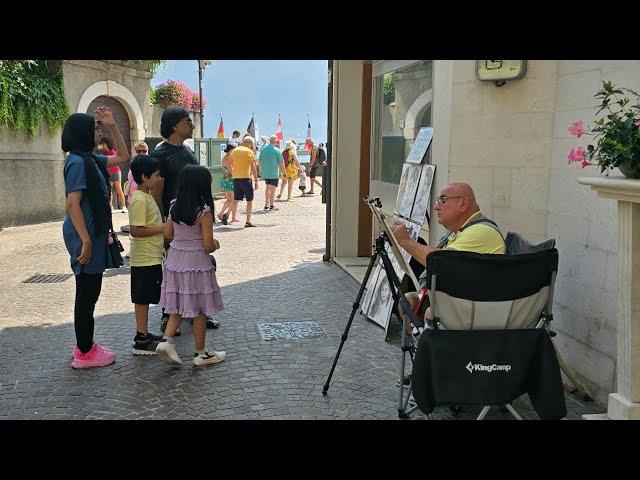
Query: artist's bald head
455, 204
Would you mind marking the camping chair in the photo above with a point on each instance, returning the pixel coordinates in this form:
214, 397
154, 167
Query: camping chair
517, 245
486, 341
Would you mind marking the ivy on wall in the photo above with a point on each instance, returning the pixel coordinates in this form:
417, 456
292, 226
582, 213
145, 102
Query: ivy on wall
31, 91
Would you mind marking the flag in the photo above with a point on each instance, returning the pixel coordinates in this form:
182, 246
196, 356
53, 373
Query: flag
251, 129
220, 129
307, 146
279, 134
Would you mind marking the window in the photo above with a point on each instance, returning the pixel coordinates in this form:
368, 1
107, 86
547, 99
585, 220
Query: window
402, 105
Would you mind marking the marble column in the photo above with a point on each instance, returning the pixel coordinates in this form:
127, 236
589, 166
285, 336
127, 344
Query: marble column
624, 404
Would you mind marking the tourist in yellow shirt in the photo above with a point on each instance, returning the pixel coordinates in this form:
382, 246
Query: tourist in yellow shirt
243, 166
147, 250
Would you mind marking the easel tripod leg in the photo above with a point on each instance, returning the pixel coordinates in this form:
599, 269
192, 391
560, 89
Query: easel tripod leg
356, 305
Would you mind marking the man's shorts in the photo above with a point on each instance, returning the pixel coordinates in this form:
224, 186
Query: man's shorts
271, 181
115, 177
242, 188
145, 284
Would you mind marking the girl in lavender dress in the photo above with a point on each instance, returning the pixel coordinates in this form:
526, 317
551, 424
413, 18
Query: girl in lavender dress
189, 285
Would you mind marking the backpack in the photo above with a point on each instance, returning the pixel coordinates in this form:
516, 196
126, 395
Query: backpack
321, 157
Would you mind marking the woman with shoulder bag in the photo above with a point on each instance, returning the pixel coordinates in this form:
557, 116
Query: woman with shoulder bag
87, 224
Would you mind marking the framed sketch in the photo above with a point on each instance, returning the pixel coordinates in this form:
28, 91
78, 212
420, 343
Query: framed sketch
423, 194
381, 302
420, 145
407, 189
371, 285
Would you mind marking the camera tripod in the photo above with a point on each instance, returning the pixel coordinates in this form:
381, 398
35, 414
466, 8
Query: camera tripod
399, 300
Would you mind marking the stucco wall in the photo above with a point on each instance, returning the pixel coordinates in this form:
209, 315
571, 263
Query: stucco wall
31, 183
501, 144
585, 228
31, 189
346, 156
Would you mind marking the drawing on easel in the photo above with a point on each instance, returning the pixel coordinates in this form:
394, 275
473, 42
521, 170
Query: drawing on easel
371, 285
381, 301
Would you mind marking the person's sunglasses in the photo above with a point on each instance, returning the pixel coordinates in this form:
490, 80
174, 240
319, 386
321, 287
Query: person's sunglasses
141, 152
442, 199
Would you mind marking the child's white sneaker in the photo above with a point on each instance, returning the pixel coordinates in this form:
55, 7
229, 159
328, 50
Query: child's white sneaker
167, 352
208, 357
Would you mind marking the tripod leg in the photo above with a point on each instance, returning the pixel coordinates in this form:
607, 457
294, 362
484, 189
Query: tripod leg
402, 303
374, 258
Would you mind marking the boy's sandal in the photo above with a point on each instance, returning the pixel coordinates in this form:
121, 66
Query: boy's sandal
248, 224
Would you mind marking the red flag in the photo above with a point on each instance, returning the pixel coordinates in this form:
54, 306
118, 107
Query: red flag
220, 129
279, 134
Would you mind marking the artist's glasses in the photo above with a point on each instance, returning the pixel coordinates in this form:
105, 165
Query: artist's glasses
442, 199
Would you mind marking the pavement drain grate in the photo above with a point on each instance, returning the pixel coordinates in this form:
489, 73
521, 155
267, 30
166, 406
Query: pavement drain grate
53, 278
290, 330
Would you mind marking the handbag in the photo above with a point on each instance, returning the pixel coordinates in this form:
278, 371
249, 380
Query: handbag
115, 246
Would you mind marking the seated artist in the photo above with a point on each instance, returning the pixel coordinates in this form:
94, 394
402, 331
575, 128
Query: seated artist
469, 231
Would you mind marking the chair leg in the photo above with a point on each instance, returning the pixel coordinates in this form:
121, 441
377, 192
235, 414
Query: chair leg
513, 411
483, 413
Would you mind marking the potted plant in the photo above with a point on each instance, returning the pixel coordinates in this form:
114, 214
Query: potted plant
616, 134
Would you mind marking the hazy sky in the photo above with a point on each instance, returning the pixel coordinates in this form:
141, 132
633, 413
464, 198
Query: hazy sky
236, 88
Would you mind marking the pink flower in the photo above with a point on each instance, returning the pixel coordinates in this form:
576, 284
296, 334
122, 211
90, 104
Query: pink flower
637, 122
577, 155
576, 129
585, 163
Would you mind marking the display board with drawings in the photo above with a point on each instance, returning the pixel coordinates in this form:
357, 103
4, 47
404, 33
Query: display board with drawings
412, 206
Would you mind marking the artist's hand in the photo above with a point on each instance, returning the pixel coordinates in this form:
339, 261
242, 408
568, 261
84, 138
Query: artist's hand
401, 232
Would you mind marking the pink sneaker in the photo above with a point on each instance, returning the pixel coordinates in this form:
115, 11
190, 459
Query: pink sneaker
98, 356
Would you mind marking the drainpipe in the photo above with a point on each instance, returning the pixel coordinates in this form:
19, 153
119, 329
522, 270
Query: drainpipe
326, 174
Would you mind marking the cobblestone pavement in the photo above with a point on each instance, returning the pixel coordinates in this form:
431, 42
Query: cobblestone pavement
272, 273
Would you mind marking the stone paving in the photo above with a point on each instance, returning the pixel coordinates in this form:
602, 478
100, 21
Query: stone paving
270, 274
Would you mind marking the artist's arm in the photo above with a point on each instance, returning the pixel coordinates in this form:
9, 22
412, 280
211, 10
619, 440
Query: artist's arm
415, 249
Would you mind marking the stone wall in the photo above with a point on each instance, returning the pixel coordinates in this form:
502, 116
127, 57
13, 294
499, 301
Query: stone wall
31, 183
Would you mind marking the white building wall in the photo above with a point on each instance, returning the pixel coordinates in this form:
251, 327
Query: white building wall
347, 120
500, 143
585, 228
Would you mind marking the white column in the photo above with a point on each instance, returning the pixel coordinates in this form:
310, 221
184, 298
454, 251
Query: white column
625, 403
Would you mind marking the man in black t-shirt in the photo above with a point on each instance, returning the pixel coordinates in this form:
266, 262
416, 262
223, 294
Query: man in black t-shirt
175, 127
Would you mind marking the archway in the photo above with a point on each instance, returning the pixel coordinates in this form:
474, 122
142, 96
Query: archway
415, 114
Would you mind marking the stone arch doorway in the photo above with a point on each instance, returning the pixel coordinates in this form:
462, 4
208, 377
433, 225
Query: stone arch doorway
122, 121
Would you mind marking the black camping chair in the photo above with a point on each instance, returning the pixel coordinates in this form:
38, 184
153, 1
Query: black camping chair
517, 245
487, 340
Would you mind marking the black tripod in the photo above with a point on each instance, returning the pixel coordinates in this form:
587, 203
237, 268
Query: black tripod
396, 291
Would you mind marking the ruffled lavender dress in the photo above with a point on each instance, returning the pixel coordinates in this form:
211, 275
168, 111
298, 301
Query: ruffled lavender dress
189, 285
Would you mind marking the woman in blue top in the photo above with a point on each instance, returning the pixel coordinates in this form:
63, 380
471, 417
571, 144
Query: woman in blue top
86, 226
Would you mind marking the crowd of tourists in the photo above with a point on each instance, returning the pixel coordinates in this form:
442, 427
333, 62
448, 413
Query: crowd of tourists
171, 217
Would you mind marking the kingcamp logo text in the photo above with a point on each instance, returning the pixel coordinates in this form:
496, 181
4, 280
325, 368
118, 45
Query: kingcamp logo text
478, 367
